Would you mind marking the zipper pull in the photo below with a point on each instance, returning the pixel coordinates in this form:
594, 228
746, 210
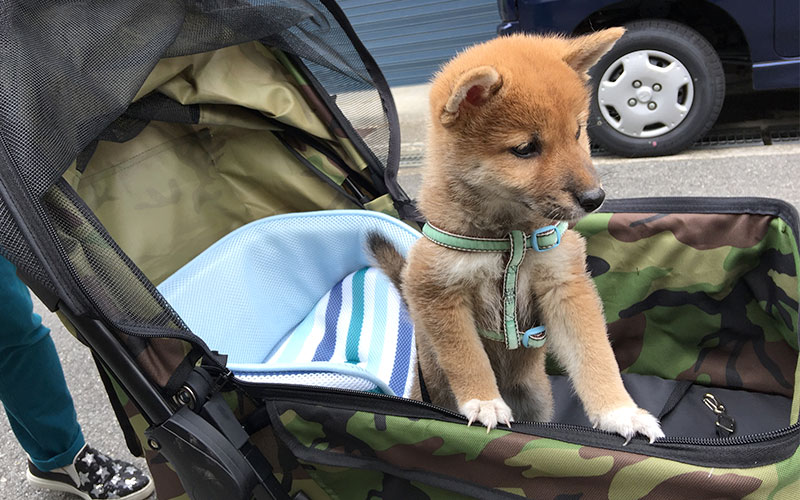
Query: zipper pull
726, 425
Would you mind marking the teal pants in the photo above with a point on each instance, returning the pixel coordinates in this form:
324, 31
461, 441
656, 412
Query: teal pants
32, 386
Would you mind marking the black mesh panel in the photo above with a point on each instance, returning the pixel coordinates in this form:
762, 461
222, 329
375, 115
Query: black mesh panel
350, 78
70, 68
152, 332
106, 275
14, 248
361, 102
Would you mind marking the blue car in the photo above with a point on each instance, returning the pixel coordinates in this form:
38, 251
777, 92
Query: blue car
661, 87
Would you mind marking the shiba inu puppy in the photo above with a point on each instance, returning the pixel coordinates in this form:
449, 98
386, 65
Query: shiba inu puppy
508, 154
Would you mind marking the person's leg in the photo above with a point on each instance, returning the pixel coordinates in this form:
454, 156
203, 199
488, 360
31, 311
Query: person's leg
40, 409
32, 388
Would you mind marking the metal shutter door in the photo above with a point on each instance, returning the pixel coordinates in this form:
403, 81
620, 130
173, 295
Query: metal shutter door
410, 39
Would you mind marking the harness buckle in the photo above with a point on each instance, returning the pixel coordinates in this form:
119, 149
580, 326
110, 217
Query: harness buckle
534, 337
544, 232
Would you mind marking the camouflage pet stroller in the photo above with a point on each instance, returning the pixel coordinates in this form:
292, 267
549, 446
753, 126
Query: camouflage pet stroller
189, 185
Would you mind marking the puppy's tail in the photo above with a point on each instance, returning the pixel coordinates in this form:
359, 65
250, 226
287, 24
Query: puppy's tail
388, 258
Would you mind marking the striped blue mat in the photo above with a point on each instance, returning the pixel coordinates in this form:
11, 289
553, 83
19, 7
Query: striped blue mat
361, 322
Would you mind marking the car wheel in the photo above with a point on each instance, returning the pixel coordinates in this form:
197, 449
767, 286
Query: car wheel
659, 89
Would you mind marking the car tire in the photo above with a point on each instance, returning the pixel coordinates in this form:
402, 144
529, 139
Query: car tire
657, 91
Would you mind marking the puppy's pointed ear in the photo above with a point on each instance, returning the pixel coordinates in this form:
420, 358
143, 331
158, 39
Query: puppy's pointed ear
473, 88
584, 51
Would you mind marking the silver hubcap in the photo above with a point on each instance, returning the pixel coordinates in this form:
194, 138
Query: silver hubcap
645, 93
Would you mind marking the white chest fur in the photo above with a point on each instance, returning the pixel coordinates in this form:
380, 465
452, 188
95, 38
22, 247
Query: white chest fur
482, 273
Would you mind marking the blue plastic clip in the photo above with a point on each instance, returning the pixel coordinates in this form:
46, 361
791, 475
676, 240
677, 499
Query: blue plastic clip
544, 231
534, 337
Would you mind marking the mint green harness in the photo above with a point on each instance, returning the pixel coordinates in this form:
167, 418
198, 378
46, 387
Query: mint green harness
543, 239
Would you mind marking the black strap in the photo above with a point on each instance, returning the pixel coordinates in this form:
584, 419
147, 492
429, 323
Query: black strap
422, 389
272, 489
680, 390
131, 439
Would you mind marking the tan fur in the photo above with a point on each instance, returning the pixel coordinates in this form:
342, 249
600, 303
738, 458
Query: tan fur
484, 79
388, 258
490, 98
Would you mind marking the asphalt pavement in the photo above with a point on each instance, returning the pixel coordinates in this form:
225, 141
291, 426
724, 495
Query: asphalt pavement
763, 171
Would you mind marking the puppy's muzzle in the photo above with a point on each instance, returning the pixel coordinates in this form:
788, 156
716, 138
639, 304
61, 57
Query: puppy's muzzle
591, 200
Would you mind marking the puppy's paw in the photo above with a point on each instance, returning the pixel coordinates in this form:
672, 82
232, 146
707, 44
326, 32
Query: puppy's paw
629, 421
489, 413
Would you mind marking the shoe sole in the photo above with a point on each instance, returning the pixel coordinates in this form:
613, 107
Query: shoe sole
59, 486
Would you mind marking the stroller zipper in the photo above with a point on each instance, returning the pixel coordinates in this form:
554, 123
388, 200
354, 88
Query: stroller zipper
731, 441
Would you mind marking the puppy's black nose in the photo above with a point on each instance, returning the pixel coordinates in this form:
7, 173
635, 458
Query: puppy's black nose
591, 200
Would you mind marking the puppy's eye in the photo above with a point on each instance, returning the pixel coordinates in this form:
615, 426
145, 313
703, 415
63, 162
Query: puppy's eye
526, 150
578, 133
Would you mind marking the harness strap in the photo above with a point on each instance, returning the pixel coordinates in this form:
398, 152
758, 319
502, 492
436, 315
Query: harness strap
541, 240
510, 289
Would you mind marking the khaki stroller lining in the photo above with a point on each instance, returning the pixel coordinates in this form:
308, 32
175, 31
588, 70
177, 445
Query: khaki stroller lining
184, 187
246, 75
175, 189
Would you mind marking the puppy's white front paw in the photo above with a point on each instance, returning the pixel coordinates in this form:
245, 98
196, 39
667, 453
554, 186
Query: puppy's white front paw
489, 413
629, 421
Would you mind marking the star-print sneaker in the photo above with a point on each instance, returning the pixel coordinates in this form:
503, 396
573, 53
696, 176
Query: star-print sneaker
94, 476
